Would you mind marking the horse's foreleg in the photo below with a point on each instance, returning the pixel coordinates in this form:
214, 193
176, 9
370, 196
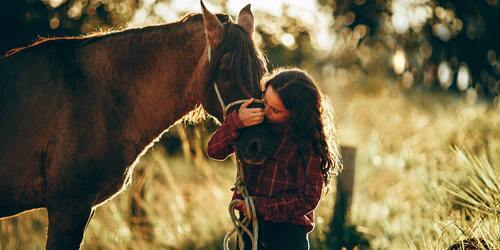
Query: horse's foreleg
67, 225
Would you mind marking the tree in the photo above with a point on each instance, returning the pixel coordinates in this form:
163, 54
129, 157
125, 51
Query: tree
23, 21
446, 44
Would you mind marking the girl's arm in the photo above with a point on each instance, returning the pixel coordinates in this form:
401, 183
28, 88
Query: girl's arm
301, 202
221, 144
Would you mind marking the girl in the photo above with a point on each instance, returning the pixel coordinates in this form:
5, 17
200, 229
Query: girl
288, 186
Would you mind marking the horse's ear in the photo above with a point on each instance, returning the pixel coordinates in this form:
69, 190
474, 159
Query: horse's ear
245, 20
214, 29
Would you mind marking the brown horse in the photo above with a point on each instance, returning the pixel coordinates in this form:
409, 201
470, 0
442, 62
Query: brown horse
77, 113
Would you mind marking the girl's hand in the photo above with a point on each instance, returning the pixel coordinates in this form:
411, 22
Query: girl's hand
250, 116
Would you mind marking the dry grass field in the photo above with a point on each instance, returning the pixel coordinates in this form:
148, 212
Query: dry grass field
427, 176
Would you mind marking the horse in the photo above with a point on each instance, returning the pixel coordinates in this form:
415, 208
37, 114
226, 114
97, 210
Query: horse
77, 113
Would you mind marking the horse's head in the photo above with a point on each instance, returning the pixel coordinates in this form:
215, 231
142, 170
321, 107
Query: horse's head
235, 68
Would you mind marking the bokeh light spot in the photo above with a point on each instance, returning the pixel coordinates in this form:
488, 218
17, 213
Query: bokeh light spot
444, 74
399, 61
288, 40
54, 22
463, 78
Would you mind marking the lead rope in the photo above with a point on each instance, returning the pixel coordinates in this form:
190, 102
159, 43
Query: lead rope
240, 226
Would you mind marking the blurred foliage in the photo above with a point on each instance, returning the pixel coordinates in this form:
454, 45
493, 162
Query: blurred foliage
22, 21
432, 44
438, 44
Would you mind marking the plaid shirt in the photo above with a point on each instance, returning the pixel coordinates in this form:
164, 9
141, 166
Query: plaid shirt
284, 190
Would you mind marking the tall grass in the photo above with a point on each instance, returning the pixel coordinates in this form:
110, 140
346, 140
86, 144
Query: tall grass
406, 159
426, 178
475, 201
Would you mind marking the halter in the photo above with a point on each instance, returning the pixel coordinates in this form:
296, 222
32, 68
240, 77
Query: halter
225, 108
240, 226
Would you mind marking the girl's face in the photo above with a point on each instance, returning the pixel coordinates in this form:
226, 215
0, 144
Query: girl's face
273, 106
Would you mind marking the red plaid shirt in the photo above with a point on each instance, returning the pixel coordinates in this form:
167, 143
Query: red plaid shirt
284, 189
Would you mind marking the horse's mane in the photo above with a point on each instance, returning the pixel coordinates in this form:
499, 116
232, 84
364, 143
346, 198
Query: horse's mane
41, 40
94, 36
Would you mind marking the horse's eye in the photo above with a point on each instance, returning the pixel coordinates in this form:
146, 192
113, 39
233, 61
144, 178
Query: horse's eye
225, 75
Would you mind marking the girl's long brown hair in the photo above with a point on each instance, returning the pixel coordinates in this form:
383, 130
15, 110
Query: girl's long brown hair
311, 117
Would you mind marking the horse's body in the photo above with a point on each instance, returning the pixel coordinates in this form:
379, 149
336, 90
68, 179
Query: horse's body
75, 114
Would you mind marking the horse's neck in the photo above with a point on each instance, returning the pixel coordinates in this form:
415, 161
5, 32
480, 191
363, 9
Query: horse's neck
156, 71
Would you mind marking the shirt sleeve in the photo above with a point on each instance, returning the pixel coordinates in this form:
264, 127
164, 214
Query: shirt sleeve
298, 203
221, 144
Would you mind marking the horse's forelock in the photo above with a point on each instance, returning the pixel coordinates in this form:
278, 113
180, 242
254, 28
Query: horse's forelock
247, 62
